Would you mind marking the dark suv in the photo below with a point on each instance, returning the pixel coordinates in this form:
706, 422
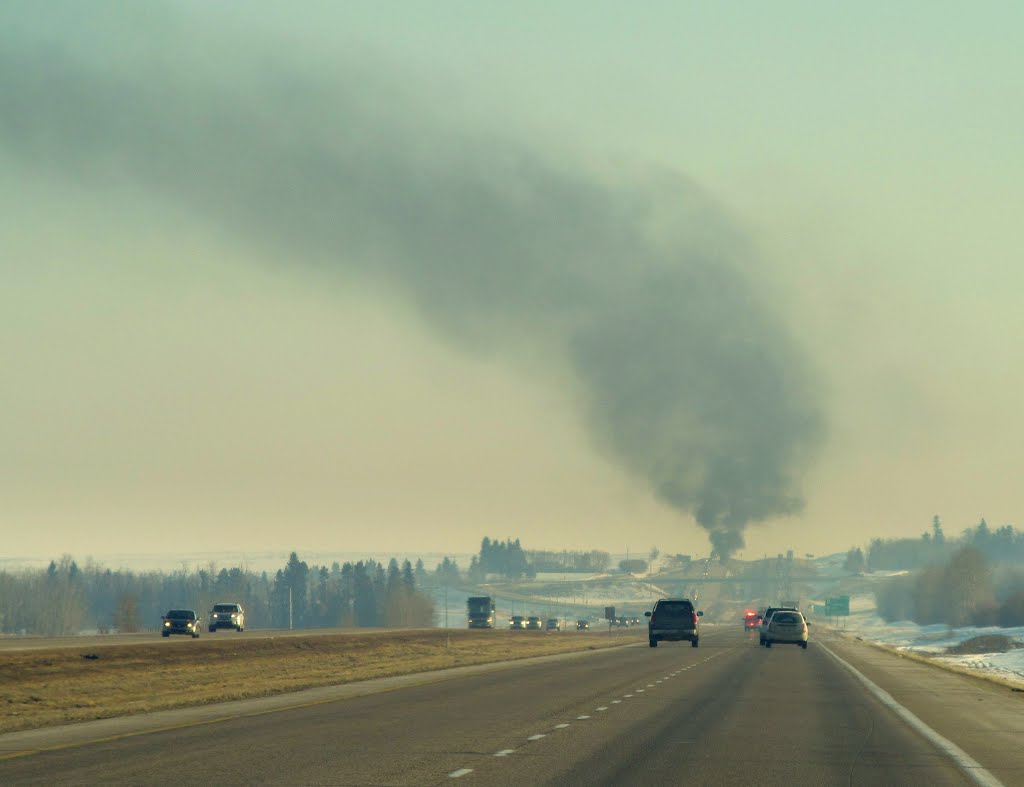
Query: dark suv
673, 619
180, 621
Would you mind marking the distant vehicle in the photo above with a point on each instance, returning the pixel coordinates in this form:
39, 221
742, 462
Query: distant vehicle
763, 631
518, 622
533, 623
751, 620
180, 621
583, 625
228, 616
787, 627
552, 625
673, 619
480, 611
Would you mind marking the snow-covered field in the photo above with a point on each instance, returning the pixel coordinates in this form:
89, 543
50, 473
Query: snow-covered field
934, 640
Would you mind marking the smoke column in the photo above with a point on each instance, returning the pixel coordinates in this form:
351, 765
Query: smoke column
639, 290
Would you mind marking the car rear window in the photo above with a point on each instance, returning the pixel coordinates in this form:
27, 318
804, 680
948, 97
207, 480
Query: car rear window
785, 617
674, 609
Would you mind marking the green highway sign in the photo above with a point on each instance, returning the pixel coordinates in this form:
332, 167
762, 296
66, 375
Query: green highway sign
837, 606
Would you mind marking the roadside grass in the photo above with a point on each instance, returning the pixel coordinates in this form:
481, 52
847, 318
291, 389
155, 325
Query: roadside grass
42, 688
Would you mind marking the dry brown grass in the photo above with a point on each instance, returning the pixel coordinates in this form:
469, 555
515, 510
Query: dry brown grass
46, 687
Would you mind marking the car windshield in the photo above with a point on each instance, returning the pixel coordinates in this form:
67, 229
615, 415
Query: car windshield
223, 607
480, 605
182, 614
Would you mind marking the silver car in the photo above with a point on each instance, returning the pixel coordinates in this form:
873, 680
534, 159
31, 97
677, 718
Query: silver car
787, 627
227, 615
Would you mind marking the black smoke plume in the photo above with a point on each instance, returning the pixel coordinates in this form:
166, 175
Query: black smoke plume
641, 290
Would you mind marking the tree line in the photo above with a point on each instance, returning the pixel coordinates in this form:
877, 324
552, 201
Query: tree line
66, 599
1002, 545
973, 579
966, 590
508, 560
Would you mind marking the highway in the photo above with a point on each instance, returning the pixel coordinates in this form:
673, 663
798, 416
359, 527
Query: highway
726, 713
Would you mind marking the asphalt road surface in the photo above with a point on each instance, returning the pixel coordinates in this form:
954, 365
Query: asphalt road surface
726, 713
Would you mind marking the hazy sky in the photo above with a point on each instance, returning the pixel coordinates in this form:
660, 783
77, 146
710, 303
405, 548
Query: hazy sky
396, 276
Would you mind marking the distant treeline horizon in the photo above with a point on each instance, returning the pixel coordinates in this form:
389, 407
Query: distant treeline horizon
976, 579
65, 598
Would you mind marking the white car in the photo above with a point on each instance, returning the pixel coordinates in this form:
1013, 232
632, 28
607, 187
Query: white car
230, 616
766, 618
787, 626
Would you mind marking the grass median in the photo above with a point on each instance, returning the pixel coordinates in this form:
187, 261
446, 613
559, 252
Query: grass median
42, 688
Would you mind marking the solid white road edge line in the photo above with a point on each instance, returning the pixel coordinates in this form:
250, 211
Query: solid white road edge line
970, 767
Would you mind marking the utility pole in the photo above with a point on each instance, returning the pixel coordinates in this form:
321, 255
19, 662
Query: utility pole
447, 633
289, 608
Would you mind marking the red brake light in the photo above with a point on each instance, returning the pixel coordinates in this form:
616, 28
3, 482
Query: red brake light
695, 620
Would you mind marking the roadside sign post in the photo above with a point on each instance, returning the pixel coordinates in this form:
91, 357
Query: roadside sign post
609, 614
837, 607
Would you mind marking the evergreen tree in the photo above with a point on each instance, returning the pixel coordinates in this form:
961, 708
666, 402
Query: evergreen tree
365, 600
407, 577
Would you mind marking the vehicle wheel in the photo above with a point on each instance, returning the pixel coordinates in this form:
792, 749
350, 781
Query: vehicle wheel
760, 641
803, 645
767, 644
241, 629
654, 643
212, 629
694, 642
195, 635
165, 633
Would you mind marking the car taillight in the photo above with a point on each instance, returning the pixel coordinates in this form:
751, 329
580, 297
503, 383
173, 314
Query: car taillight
695, 618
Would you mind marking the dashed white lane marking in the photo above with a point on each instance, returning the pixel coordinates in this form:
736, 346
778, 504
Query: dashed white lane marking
581, 718
616, 702
603, 707
639, 691
459, 772
627, 696
651, 685
503, 752
561, 726
659, 681
537, 737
